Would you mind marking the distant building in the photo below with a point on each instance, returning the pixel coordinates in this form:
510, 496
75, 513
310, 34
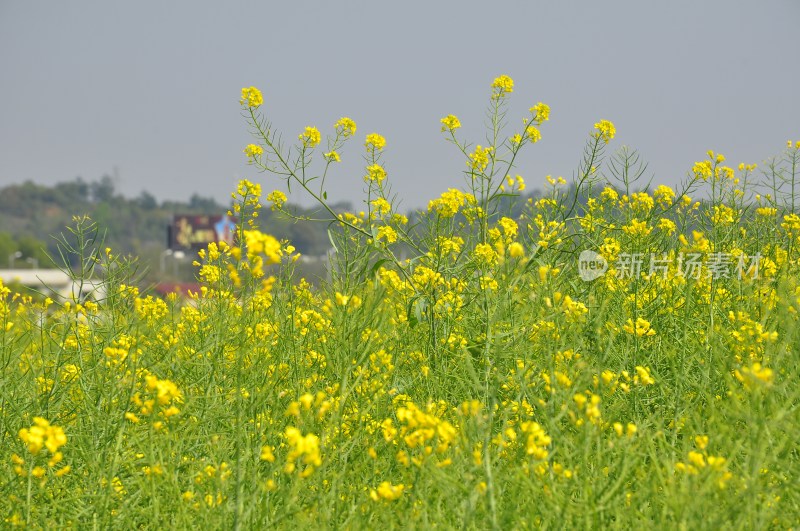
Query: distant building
53, 283
190, 232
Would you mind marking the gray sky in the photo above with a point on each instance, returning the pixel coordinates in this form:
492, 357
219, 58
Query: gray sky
152, 87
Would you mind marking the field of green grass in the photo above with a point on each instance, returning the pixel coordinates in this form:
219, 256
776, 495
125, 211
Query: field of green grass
615, 357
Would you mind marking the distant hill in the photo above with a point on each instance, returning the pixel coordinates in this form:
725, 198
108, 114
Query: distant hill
31, 214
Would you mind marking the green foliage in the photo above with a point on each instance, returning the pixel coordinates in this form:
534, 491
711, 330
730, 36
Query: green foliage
30, 214
482, 382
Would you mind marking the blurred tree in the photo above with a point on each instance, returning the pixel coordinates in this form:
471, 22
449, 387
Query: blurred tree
146, 201
7, 248
204, 204
102, 190
69, 193
33, 251
308, 239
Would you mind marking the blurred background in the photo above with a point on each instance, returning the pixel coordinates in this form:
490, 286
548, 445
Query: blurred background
130, 112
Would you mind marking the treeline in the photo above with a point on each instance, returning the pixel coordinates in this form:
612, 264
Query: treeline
32, 214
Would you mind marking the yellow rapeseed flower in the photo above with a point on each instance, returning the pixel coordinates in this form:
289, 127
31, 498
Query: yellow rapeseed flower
450, 123
541, 112
643, 376
479, 159
755, 375
516, 250
703, 169
259, 243
387, 491
251, 97
304, 449
637, 228
723, 215
253, 150
450, 202
345, 126
310, 137
375, 173
387, 233
166, 390
605, 130
502, 85
664, 195
380, 207
43, 434
640, 329
267, 454
375, 142
667, 225
277, 198
533, 134
485, 254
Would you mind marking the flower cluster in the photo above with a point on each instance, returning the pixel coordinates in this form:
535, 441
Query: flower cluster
252, 151
386, 491
479, 159
375, 142
375, 174
641, 328
450, 203
700, 461
541, 112
450, 123
310, 137
345, 126
501, 86
277, 198
304, 450
159, 399
605, 130
251, 97
42, 435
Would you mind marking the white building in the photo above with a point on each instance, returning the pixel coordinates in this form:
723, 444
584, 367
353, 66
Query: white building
53, 283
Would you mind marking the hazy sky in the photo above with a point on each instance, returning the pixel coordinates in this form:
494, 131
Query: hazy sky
151, 88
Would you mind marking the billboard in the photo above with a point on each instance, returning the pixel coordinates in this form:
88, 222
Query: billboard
192, 232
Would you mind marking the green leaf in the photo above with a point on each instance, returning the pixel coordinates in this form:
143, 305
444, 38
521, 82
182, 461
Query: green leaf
374, 269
